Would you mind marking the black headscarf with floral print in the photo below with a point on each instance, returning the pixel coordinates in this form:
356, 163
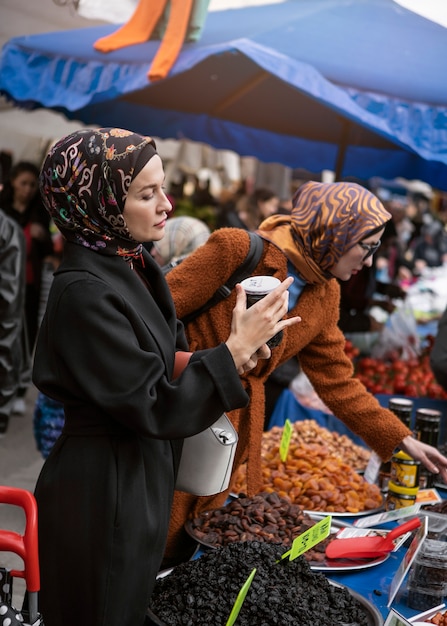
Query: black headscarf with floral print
84, 183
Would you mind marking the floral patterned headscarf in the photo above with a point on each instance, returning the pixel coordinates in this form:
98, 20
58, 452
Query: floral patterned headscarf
84, 183
326, 221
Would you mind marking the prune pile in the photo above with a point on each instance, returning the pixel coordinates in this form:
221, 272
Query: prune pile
283, 592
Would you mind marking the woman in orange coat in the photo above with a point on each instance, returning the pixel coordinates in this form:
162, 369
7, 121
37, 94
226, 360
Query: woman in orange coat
332, 233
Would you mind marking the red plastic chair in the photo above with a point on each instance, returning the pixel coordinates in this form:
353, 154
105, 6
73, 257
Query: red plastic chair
25, 546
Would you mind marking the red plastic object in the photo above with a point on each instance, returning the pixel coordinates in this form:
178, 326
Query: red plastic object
368, 547
26, 545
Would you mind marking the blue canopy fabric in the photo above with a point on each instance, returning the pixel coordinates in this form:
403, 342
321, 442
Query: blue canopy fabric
357, 86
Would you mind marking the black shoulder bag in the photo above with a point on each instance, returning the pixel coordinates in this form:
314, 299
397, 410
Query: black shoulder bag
243, 271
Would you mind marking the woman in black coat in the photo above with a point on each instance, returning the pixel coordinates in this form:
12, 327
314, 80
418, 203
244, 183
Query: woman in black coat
106, 350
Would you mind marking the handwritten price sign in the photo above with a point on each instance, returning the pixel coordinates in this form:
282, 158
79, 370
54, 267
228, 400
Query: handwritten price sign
309, 538
285, 440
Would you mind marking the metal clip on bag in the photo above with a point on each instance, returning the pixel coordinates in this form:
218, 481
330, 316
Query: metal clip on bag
207, 459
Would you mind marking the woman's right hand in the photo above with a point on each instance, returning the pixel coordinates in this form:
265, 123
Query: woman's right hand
264, 352
251, 328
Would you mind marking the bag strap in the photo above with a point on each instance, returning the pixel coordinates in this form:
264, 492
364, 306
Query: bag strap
245, 269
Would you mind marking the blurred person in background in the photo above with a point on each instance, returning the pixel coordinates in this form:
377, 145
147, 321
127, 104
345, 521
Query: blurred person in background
247, 211
371, 288
20, 199
438, 354
13, 359
405, 228
419, 212
429, 249
5, 166
258, 206
183, 235
227, 208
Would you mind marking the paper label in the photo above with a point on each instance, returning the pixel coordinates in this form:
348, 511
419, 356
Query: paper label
347, 533
389, 516
285, 440
309, 538
372, 469
428, 496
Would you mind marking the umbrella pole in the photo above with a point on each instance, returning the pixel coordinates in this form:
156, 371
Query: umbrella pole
342, 146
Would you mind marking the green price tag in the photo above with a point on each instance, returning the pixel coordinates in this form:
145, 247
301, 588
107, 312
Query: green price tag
240, 599
309, 538
285, 440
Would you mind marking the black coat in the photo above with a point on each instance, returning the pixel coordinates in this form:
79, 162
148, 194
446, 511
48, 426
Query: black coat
106, 349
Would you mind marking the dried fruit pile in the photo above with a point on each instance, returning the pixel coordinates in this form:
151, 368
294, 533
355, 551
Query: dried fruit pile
283, 592
314, 476
265, 517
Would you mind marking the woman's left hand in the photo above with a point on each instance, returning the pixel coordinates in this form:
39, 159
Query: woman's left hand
429, 456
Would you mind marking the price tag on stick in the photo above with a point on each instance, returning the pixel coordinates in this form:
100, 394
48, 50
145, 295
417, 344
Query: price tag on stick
285, 440
240, 599
309, 538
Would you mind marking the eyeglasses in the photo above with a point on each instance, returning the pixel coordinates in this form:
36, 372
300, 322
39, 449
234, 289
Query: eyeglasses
370, 248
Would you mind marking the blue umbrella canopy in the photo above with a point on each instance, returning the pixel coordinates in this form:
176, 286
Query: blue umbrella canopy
357, 86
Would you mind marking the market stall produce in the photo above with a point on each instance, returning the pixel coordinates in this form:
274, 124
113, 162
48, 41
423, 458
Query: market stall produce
393, 375
309, 432
282, 592
440, 619
316, 476
265, 517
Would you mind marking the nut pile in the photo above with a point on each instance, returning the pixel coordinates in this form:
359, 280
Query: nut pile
265, 517
314, 479
310, 432
283, 592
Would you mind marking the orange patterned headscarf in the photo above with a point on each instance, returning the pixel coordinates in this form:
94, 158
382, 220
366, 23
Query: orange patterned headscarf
326, 221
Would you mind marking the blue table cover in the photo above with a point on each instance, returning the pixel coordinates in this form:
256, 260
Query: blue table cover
288, 407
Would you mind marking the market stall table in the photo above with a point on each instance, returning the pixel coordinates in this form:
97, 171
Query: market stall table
374, 583
371, 582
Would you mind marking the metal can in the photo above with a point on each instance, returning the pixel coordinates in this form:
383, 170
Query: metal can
428, 424
399, 497
402, 408
427, 427
404, 470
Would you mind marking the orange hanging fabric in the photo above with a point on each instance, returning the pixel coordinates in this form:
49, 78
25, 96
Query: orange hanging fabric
138, 29
172, 40
141, 26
